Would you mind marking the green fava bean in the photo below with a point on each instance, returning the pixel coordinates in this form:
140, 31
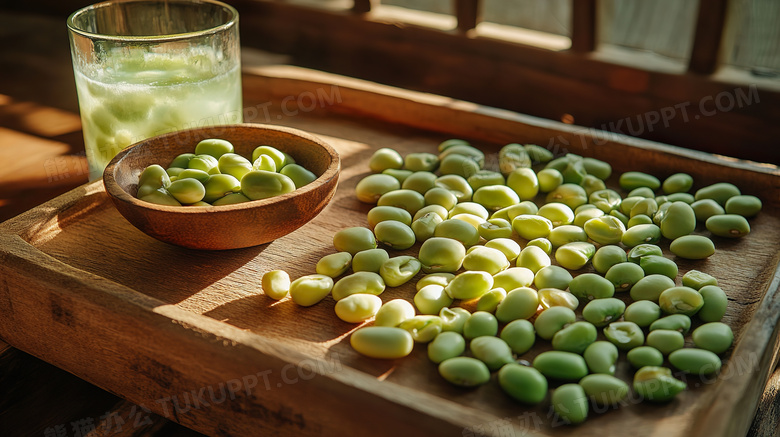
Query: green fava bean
567, 234
692, 247
276, 284
605, 229
582, 217
715, 337
680, 197
604, 390
354, 240
457, 230
677, 183
334, 264
656, 264
532, 226
277, 155
728, 225
260, 184
601, 357
643, 313
464, 371
520, 303
696, 279
181, 161
358, 282
453, 319
522, 383
645, 356
200, 175
589, 286
509, 247
513, 157
423, 328
446, 144
558, 213
553, 297
398, 270
152, 179
492, 351
484, 178
385, 158
656, 384
640, 219
357, 308
460, 165
410, 200
420, 181
220, 185
425, 226
311, 289
495, 228
542, 243
229, 199
571, 195
438, 254
469, 285
187, 190
509, 213
647, 206
538, 154
591, 184
523, 182
457, 185
393, 313
394, 234
706, 208
625, 335
602, 312
442, 197
633, 179
421, 161
680, 300
446, 345
650, 287
678, 220
637, 252
480, 323
551, 277
519, 335
549, 179
298, 174
490, 300
514, 277
696, 361
715, 303
400, 175
720, 192
744, 205
435, 278
533, 258
431, 299
379, 214
234, 165
597, 167
160, 198
266, 163
608, 256
623, 276
574, 256
605, 200
560, 365
575, 337
495, 197
369, 260
570, 403
207, 163
674, 322
665, 340
485, 259
371, 188
552, 320
382, 342
641, 234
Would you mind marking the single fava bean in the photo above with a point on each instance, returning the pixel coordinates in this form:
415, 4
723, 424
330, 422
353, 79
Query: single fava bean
520, 335
279, 158
434, 278
229, 199
574, 256
728, 225
509, 247
582, 217
589, 286
552, 277
485, 259
372, 187
334, 265
665, 340
385, 158
601, 357
495, 228
575, 337
696, 361
720, 192
692, 247
480, 323
532, 226
553, 297
354, 240
369, 260
715, 304
220, 185
265, 163
744, 205
379, 214
640, 219
446, 345
678, 220
715, 337
641, 234
458, 230
421, 161
410, 200
464, 371
523, 383
422, 328
560, 365
524, 182
436, 209
358, 283
602, 312
633, 179
440, 196
420, 181
260, 184
552, 320
680, 300
558, 213
393, 313
457, 185
637, 252
485, 178
181, 161
570, 403
677, 183
382, 342
439, 254
538, 154
469, 285
454, 319
625, 335
607, 256
604, 390
398, 270
549, 179
520, 303
565, 234
656, 264
234, 165
431, 299
495, 197
650, 287
605, 200
605, 229
299, 175
490, 300
533, 258
656, 384
357, 308
425, 226
706, 208
276, 284
623, 276
160, 198
514, 277
696, 279
492, 351
674, 322
513, 157
395, 235
187, 190
645, 356
310, 289
643, 313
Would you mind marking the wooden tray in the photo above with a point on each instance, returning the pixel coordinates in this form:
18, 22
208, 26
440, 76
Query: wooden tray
190, 336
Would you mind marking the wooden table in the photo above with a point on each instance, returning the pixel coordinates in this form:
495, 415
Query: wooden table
42, 156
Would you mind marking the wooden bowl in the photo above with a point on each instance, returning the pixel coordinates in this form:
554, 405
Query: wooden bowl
227, 226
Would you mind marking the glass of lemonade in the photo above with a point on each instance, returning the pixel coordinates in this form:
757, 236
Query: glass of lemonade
147, 67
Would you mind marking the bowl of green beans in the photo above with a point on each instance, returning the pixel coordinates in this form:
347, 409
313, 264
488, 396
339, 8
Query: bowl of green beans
267, 206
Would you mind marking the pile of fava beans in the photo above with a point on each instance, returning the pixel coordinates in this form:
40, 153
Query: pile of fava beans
486, 245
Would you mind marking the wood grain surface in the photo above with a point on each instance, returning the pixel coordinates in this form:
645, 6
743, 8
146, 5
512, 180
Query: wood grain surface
167, 327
